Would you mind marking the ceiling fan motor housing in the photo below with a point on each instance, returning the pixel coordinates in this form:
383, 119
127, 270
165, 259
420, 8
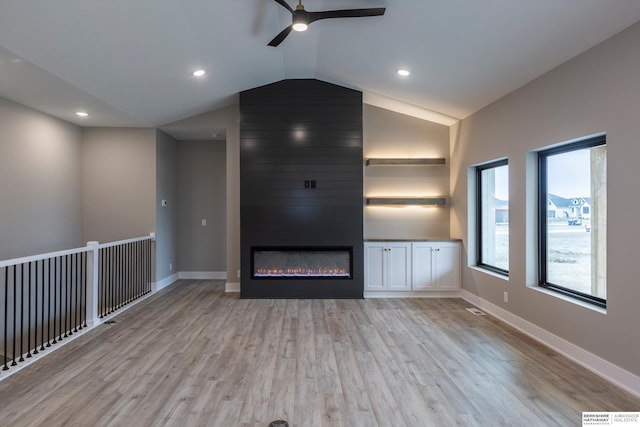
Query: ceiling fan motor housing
300, 18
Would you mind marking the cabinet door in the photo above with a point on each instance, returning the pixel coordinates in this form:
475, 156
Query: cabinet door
398, 266
447, 267
422, 266
374, 269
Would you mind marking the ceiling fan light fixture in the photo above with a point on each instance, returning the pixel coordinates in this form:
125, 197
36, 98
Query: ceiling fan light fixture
300, 20
300, 26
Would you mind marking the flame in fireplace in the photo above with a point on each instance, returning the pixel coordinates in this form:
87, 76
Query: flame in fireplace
302, 272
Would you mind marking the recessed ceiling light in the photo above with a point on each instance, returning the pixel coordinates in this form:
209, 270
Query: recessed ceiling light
81, 114
199, 73
403, 72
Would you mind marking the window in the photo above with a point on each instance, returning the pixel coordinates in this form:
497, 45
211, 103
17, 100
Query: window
492, 213
573, 185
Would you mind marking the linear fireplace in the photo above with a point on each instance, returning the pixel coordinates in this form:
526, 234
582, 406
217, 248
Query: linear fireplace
301, 262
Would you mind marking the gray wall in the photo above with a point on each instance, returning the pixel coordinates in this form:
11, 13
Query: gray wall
394, 135
41, 203
118, 183
167, 216
227, 118
201, 183
595, 92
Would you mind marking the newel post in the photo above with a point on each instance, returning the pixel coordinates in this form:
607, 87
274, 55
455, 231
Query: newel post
92, 284
152, 278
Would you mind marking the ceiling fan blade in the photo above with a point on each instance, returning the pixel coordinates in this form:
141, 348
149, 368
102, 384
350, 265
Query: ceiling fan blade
280, 37
285, 5
349, 13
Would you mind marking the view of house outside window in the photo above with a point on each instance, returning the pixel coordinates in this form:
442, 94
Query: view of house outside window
493, 216
575, 222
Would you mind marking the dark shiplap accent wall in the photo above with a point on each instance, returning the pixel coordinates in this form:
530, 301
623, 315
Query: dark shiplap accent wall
291, 132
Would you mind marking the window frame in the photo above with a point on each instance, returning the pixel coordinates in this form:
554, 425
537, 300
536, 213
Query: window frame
479, 230
543, 155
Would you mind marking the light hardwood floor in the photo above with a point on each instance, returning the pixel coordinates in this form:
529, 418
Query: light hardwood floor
192, 355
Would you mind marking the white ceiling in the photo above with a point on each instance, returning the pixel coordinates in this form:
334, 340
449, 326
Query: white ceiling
129, 62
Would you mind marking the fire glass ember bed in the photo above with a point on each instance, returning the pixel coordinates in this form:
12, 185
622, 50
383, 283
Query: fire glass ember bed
301, 262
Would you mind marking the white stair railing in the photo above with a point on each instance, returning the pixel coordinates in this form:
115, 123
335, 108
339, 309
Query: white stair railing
47, 299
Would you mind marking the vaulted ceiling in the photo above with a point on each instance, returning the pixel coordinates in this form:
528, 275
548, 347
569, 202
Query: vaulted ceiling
130, 62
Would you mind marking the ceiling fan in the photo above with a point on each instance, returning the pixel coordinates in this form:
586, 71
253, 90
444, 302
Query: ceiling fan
301, 18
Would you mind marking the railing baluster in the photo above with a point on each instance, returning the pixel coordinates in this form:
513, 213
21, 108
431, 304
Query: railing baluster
111, 278
83, 287
68, 294
75, 322
123, 275
56, 283
49, 282
143, 285
120, 275
137, 270
29, 311
14, 363
109, 289
35, 320
72, 269
6, 315
107, 283
63, 297
42, 307
144, 267
149, 266
22, 315
119, 272
101, 281
132, 284
63, 279
127, 273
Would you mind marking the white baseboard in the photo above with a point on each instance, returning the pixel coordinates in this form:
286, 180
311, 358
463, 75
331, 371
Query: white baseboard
601, 367
156, 286
203, 275
411, 294
232, 287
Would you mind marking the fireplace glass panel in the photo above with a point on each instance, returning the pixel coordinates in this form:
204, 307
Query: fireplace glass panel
301, 263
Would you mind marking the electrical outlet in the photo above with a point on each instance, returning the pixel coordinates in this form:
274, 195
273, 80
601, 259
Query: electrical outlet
238, 274
170, 267
506, 296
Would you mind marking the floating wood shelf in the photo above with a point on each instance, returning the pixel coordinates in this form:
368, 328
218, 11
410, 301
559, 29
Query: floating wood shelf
407, 162
405, 201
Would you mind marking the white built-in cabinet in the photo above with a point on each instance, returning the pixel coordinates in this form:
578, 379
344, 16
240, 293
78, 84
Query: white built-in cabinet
418, 266
435, 266
387, 266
